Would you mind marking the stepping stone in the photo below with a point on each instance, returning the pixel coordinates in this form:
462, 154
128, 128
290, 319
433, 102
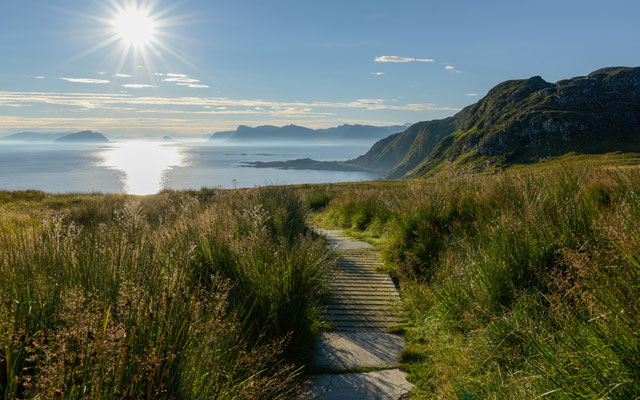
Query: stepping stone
344, 350
389, 384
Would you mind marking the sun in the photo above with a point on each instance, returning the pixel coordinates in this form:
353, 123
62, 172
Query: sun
134, 27
137, 31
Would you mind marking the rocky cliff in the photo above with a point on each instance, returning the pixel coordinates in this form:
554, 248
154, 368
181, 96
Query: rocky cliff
521, 121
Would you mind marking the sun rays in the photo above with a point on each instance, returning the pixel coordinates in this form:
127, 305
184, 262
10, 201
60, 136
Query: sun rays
138, 34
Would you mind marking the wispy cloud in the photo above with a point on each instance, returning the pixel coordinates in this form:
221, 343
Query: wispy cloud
137, 86
86, 80
127, 102
398, 59
377, 73
451, 68
184, 80
101, 73
123, 76
39, 77
104, 100
181, 80
472, 94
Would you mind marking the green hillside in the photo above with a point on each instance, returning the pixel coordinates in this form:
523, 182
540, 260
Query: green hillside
521, 122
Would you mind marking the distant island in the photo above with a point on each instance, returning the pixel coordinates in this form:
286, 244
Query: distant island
167, 139
269, 133
61, 137
303, 163
517, 122
83, 137
33, 137
222, 135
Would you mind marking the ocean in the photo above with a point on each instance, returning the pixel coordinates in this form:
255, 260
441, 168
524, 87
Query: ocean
147, 167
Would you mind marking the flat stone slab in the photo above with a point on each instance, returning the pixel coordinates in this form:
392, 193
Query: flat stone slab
344, 350
384, 385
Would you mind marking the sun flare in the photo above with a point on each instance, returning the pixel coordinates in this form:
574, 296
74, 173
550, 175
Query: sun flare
134, 27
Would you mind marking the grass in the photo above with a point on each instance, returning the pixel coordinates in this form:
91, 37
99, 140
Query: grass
184, 295
523, 284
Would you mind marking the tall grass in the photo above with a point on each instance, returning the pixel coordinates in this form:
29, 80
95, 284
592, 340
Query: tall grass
516, 285
180, 295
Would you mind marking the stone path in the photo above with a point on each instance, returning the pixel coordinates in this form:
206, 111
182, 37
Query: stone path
361, 309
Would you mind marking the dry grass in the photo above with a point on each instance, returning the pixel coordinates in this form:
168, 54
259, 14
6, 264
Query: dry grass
179, 295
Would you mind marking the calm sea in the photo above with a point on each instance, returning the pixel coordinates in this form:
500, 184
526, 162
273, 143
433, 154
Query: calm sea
148, 167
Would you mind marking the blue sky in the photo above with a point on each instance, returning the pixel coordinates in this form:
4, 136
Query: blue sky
306, 62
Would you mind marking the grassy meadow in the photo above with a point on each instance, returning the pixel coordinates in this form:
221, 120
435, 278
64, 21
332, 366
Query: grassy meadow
517, 285
185, 295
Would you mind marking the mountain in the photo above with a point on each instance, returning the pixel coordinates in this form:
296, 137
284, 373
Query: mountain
268, 132
520, 121
33, 137
83, 137
417, 139
360, 132
222, 135
167, 139
300, 133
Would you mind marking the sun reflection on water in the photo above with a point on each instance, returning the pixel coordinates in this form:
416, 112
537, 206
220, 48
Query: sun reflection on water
143, 164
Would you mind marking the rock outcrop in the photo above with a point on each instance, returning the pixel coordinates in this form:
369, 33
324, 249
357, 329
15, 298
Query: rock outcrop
521, 121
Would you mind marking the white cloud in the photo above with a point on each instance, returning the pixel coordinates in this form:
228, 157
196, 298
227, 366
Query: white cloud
109, 101
123, 76
397, 59
137, 86
101, 73
158, 74
472, 94
450, 67
39, 77
377, 73
86, 80
181, 80
184, 80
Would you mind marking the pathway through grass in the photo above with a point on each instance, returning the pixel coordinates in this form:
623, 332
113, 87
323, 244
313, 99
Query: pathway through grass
358, 359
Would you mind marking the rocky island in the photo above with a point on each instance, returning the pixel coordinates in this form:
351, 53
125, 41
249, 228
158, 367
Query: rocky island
83, 137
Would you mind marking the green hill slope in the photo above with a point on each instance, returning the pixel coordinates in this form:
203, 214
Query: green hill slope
521, 121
